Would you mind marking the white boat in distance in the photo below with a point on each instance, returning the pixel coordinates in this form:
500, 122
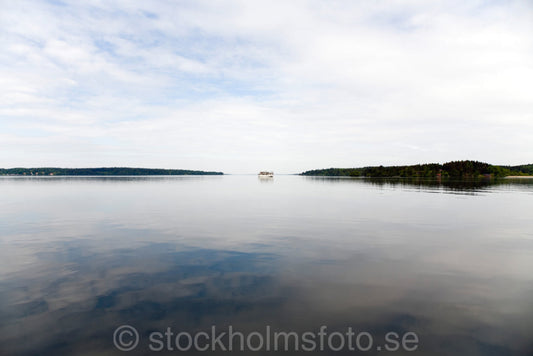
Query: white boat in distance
266, 174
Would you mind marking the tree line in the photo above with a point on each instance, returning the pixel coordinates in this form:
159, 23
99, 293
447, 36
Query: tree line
471, 169
103, 171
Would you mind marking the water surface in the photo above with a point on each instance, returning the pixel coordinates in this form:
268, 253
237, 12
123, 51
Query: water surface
81, 256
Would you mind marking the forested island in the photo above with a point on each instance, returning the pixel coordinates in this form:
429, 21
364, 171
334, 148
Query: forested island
103, 171
456, 169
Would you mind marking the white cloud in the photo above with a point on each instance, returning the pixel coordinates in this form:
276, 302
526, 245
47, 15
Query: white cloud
240, 86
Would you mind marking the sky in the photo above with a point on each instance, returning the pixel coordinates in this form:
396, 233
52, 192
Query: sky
242, 86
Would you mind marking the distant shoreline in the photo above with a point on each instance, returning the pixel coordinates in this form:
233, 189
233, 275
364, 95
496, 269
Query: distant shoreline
101, 171
454, 169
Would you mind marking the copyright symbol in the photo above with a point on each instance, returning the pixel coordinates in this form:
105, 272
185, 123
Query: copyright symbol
125, 338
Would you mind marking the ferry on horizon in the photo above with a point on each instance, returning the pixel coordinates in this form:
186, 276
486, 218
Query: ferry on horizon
266, 174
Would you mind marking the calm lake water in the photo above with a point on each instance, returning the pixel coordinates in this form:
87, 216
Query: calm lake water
80, 257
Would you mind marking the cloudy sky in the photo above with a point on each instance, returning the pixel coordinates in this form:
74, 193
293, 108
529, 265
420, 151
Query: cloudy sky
242, 86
